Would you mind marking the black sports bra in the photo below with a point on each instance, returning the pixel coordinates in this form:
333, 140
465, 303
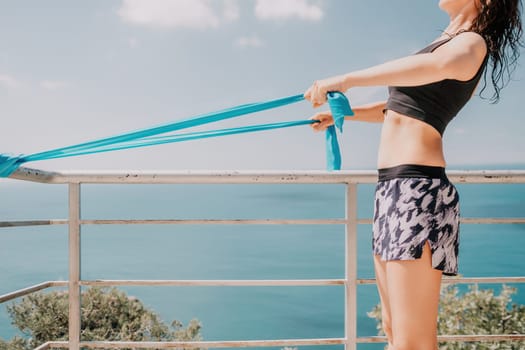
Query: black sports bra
436, 103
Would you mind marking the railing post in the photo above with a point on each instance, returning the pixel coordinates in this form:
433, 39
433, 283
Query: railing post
351, 267
74, 266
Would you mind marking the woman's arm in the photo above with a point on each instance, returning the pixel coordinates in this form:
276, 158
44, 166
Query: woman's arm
458, 59
371, 113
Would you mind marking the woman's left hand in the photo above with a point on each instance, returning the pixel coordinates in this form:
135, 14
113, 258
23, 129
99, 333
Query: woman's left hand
324, 120
316, 93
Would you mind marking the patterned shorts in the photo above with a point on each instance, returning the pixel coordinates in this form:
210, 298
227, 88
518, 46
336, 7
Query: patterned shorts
416, 204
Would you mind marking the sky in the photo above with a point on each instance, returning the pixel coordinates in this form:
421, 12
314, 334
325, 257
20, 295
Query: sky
74, 71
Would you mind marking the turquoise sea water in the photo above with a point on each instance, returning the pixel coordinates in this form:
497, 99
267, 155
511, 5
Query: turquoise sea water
34, 254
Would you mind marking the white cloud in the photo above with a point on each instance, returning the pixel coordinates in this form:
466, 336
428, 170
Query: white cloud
285, 9
249, 41
169, 14
53, 84
231, 10
9, 81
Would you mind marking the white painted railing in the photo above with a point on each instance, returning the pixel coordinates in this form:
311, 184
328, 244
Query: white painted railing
351, 179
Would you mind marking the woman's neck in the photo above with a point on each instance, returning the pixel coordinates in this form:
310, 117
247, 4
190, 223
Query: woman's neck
458, 24
461, 19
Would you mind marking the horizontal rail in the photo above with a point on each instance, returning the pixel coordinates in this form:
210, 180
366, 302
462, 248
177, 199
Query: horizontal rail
463, 280
268, 343
196, 177
238, 177
484, 280
217, 222
31, 289
471, 221
211, 283
33, 223
279, 221
311, 282
492, 220
201, 344
485, 338
246, 283
4, 224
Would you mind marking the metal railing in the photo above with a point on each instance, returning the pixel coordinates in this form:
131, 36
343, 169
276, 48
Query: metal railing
350, 179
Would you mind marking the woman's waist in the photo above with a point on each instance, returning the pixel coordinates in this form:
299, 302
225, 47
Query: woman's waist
412, 171
393, 154
406, 140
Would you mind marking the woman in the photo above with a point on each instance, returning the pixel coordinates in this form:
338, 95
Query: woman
416, 217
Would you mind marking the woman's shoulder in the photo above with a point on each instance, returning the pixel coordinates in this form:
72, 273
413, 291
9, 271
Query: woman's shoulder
465, 45
460, 41
469, 40
463, 55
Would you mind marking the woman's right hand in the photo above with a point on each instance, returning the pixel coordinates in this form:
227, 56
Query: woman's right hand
325, 120
316, 93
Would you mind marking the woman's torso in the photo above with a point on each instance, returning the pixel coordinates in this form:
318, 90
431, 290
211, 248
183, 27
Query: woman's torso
411, 140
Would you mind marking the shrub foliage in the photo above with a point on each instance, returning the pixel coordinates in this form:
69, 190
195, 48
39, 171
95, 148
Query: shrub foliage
477, 311
107, 314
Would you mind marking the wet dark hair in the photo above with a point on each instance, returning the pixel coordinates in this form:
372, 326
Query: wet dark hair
499, 23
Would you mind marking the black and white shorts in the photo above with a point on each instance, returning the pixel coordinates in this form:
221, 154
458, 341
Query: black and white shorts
415, 204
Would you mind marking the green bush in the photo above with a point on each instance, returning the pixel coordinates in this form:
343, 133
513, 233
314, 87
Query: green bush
107, 314
477, 311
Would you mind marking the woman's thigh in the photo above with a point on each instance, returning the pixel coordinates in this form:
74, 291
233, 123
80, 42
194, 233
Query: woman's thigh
413, 296
380, 271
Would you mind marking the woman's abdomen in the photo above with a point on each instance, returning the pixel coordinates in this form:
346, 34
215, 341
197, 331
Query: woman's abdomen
406, 140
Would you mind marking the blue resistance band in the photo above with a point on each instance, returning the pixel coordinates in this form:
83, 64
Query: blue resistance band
339, 106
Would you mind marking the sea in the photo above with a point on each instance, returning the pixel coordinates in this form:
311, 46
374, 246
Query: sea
31, 255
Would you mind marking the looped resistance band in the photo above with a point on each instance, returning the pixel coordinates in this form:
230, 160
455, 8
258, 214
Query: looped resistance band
339, 106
